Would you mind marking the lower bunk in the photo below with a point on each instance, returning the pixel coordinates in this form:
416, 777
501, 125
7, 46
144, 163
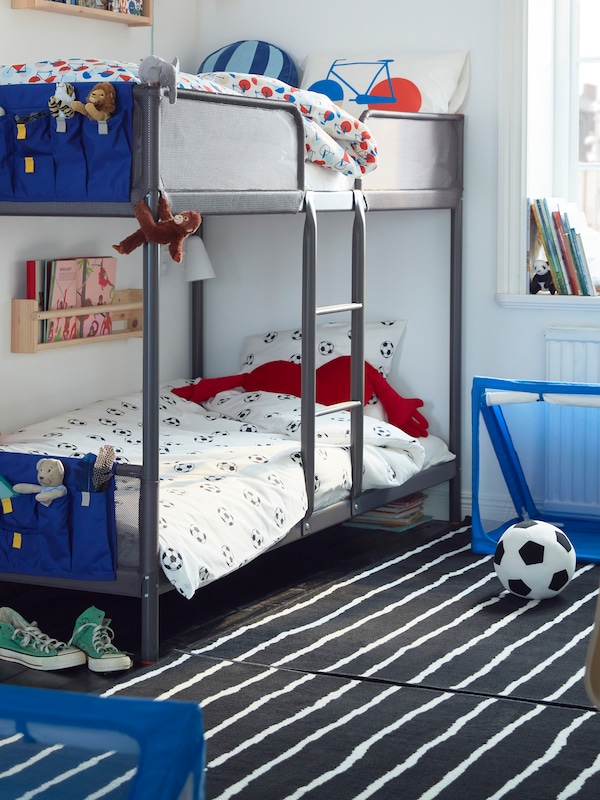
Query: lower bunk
232, 485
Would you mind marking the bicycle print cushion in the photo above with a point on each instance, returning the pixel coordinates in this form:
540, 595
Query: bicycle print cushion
426, 82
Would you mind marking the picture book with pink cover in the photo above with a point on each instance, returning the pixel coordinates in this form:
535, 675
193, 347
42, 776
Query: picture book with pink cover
98, 277
80, 283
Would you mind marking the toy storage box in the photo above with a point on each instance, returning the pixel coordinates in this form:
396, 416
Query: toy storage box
545, 438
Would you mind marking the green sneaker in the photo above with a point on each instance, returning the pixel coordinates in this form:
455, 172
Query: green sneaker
92, 635
24, 643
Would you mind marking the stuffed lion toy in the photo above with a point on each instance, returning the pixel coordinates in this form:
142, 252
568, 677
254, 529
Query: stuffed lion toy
100, 103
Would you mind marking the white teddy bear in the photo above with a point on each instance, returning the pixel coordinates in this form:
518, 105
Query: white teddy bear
50, 474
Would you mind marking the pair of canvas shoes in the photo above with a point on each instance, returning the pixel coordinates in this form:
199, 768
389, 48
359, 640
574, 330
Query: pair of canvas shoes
24, 643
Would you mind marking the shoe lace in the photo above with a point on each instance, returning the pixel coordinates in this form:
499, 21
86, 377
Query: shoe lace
32, 636
102, 636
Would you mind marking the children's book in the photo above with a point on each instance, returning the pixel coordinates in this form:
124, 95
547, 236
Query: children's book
97, 288
62, 281
79, 283
35, 270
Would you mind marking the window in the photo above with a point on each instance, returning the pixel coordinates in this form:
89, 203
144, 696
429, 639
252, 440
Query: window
549, 136
588, 69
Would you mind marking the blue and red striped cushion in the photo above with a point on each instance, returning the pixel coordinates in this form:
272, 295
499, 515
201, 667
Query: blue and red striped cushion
253, 57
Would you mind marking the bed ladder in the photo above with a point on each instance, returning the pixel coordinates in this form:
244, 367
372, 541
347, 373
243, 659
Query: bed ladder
314, 202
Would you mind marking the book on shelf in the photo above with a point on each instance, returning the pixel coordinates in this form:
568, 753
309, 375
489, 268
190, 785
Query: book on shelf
35, 280
134, 7
555, 239
97, 288
89, 3
85, 283
62, 279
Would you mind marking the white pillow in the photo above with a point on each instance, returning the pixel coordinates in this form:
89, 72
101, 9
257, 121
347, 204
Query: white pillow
382, 341
428, 82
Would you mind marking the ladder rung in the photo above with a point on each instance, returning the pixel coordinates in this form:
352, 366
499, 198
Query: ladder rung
338, 308
321, 412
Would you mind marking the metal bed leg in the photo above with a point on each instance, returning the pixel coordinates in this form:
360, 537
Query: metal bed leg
455, 356
149, 548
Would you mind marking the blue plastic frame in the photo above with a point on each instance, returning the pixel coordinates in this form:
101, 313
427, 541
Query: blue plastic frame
169, 734
582, 530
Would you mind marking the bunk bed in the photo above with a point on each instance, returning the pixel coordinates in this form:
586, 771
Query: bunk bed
198, 150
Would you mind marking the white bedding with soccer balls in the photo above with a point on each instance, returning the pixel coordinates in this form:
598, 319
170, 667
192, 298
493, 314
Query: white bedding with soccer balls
231, 478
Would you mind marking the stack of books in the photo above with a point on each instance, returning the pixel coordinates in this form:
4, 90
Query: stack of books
399, 515
126, 6
73, 283
555, 237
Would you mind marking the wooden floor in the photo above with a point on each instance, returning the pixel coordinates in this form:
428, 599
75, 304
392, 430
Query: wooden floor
185, 621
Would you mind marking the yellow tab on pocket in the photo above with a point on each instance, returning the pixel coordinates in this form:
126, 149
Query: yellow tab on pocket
29, 164
17, 540
21, 131
7, 505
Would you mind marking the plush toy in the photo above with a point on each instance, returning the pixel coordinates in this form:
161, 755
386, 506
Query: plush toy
100, 103
155, 70
50, 474
541, 280
60, 104
170, 230
332, 386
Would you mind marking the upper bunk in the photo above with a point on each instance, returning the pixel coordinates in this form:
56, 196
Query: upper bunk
218, 146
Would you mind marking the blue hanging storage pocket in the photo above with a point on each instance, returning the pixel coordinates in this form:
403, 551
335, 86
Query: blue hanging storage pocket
6, 157
34, 173
72, 537
94, 550
69, 157
44, 159
107, 147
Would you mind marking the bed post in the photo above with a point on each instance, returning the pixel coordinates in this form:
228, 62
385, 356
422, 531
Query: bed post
309, 335
151, 386
357, 360
197, 312
454, 441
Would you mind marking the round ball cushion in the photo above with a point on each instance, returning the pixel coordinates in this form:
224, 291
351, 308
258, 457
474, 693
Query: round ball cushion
252, 57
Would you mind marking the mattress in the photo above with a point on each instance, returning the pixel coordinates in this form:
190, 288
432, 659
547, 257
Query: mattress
231, 479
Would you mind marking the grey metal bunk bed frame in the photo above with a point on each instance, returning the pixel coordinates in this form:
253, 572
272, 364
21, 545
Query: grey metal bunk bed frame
420, 168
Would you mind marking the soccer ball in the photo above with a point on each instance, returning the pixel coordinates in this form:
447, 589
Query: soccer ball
534, 559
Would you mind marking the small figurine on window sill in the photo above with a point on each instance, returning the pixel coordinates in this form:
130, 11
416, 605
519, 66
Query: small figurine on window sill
541, 280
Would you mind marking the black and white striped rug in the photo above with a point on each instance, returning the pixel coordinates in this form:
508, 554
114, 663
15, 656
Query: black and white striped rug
414, 676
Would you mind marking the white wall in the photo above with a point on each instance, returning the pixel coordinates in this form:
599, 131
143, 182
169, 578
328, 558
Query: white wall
36, 386
504, 342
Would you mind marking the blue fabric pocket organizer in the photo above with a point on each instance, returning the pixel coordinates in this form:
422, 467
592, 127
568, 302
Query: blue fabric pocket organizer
74, 537
6, 155
80, 160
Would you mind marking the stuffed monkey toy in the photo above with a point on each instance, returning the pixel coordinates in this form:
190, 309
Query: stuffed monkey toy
332, 386
170, 230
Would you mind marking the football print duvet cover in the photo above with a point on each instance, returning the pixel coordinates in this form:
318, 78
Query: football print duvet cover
231, 478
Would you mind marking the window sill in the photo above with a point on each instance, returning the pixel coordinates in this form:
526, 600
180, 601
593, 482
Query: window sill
546, 301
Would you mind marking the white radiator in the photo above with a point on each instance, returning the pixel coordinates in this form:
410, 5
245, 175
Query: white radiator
573, 434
